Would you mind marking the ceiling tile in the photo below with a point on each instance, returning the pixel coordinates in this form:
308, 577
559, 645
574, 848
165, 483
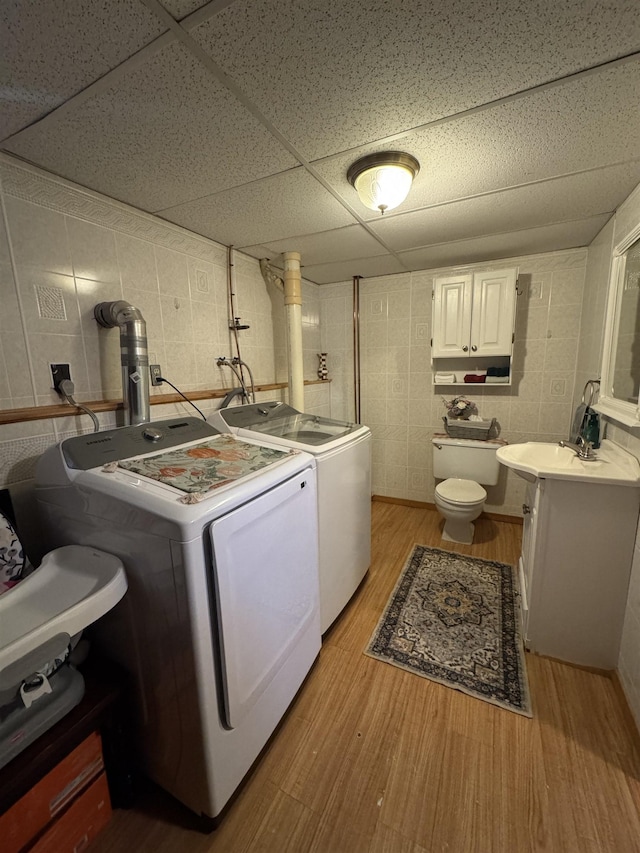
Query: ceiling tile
343, 270
258, 252
179, 9
167, 133
549, 238
572, 198
584, 124
340, 244
52, 50
336, 75
271, 209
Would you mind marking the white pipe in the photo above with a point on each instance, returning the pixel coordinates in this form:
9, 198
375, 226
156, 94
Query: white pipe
293, 308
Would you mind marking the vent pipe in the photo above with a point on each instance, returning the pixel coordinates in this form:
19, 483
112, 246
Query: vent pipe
291, 286
293, 308
133, 354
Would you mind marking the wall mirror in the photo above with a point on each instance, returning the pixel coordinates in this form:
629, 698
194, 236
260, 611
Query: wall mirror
620, 381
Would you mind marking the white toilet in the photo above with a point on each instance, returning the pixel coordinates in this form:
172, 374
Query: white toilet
462, 464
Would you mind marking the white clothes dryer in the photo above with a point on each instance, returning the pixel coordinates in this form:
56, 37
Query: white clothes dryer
343, 456
220, 624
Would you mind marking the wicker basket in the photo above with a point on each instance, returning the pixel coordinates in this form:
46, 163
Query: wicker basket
477, 430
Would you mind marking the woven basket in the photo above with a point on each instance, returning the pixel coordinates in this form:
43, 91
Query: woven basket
477, 430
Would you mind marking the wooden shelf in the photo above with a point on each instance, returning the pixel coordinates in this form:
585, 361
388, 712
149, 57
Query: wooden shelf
472, 384
40, 413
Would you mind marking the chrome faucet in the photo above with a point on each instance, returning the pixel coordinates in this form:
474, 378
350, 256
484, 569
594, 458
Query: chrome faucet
583, 449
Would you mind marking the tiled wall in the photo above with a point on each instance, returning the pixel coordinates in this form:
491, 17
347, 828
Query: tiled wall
63, 250
627, 218
400, 402
336, 326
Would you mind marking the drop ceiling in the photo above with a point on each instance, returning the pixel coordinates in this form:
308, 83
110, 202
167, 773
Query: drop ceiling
238, 119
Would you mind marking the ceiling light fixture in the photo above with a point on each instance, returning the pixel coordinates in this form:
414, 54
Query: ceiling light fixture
383, 180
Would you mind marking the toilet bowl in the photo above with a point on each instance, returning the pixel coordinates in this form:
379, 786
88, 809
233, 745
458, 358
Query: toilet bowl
460, 502
462, 465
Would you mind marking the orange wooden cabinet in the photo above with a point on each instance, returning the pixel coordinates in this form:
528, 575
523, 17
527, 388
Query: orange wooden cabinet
76, 828
44, 805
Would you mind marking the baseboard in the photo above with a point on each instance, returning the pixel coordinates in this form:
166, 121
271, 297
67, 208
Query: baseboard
607, 673
494, 516
403, 502
626, 708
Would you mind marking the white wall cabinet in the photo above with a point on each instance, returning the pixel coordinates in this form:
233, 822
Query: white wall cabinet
473, 321
577, 547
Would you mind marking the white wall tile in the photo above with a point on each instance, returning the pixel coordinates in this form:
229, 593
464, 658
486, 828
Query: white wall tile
137, 262
93, 251
10, 313
561, 354
38, 237
567, 287
173, 272
564, 321
16, 364
177, 321
48, 302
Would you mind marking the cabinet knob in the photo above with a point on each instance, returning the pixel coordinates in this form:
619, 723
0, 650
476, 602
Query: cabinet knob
474, 348
465, 348
526, 509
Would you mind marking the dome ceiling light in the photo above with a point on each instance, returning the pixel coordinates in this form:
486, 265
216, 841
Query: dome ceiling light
383, 180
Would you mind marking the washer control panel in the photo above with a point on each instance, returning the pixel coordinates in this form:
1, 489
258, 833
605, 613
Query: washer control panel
98, 448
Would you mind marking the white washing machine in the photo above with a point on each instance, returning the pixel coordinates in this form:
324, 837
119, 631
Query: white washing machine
221, 621
343, 455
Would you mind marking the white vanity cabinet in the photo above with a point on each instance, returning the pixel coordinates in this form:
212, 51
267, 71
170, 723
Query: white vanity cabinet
577, 549
530, 510
473, 314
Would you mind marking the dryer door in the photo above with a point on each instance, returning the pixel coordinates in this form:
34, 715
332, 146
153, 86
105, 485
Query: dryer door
265, 556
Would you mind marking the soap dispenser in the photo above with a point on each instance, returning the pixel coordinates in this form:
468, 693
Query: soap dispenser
591, 428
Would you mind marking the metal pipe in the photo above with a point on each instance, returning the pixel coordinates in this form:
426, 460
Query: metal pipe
356, 346
133, 354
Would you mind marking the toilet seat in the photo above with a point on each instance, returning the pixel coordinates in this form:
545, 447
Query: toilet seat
459, 491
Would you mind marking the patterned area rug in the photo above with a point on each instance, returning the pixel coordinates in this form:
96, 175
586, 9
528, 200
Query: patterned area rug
454, 619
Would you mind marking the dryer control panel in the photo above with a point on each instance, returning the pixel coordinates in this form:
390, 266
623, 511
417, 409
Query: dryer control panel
97, 448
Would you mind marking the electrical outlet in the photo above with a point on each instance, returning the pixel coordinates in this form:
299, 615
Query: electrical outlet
156, 374
59, 372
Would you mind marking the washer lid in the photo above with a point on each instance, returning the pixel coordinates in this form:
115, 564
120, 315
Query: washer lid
281, 421
461, 491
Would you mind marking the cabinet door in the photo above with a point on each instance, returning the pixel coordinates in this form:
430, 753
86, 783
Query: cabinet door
452, 316
530, 510
494, 304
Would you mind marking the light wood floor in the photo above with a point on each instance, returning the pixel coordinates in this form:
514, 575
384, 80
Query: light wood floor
371, 758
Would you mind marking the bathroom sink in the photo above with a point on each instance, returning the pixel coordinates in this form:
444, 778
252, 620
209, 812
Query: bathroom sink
539, 459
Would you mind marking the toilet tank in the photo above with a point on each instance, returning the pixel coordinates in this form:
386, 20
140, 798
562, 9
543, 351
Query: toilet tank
463, 457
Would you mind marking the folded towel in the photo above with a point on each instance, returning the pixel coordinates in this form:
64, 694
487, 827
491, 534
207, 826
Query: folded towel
474, 377
497, 371
444, 378
497, 380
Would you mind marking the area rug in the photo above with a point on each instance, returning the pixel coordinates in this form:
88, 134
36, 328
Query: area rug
455, 620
